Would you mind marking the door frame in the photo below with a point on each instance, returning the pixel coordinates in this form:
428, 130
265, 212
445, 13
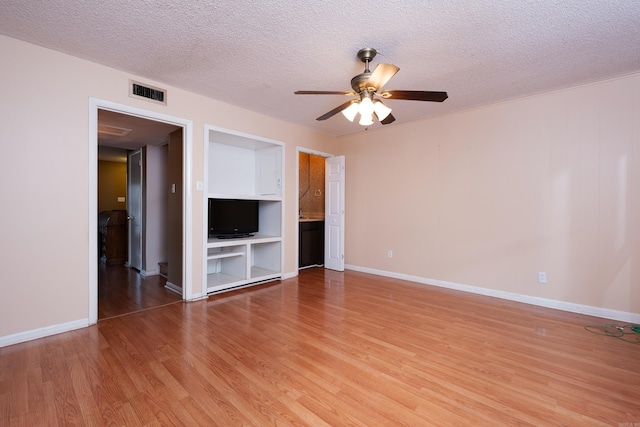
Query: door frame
96, 104
297, 233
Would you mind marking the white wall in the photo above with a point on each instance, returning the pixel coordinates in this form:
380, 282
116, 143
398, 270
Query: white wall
491, 196
156, 206
44, 185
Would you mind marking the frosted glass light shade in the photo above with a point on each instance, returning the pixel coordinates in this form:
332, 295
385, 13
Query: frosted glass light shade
351, 111
366, 107
382, 111
366, 119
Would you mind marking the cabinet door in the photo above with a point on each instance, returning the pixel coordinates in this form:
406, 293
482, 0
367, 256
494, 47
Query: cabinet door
231, 170
311, 243
305, 245
317, 252
268, 174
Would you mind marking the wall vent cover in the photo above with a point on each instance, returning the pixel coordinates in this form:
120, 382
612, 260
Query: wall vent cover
145, 91
113, 130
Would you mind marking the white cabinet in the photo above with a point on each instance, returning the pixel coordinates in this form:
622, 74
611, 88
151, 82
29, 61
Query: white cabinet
238, 262
241, 166
244, 169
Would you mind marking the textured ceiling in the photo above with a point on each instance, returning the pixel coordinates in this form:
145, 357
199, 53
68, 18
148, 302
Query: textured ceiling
255, 54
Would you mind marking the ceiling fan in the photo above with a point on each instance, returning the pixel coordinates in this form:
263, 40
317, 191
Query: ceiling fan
366, 86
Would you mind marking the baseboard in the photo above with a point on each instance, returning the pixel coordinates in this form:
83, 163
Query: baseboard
542, 302
173, 287
149, 273
605, 313
43, 332
290, 275
198, 297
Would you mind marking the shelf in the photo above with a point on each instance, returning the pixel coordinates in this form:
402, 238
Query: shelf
217, 280
266, 258
244, 197
245, 167
258, 238
224, 255
263, 274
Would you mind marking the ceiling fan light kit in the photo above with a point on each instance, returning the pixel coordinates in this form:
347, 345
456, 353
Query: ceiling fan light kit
369, 84
382, 111
351, 111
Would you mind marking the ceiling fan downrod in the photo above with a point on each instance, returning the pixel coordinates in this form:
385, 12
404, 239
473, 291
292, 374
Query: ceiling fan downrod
366, 55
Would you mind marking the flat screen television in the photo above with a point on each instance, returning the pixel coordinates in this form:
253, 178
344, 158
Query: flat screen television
232, 218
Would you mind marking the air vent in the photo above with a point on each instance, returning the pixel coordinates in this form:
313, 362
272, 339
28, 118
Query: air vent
150, 93
113, 130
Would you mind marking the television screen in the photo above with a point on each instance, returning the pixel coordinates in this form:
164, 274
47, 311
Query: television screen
229, 218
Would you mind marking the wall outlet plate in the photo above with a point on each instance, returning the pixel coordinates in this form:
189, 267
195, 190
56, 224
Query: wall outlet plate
542, 277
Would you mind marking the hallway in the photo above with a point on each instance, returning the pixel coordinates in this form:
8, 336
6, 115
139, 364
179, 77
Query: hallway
122, 290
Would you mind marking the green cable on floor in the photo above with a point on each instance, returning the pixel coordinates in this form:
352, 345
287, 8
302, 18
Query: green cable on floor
617, 331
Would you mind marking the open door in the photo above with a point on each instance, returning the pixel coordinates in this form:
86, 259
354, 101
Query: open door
334, 213
134, 208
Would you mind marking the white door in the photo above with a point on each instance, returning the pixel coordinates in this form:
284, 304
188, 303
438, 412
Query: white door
334, 214
134, 208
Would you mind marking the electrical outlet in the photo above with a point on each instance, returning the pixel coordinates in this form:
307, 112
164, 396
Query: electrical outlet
390, 253
542, 277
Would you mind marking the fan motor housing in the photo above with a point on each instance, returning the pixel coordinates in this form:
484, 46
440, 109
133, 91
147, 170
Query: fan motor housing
358, 82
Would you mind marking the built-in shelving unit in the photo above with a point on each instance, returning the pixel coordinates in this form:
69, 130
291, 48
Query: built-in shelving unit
241, 166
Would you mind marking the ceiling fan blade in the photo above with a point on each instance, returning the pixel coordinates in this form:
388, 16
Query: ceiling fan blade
388, 119
414, 95
381, 75
322, 92
335, 111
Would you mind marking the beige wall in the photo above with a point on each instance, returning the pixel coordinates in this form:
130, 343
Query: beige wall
490, 197
44, 109
112, 183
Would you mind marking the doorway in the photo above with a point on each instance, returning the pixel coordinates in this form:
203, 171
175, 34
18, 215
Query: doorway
311, 210
139, 288
134, 241
320, 210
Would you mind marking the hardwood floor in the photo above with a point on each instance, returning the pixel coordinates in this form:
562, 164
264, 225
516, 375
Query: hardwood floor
327, 349
123, 290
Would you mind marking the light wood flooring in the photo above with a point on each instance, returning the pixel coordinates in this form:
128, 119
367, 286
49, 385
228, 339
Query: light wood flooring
327, 349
